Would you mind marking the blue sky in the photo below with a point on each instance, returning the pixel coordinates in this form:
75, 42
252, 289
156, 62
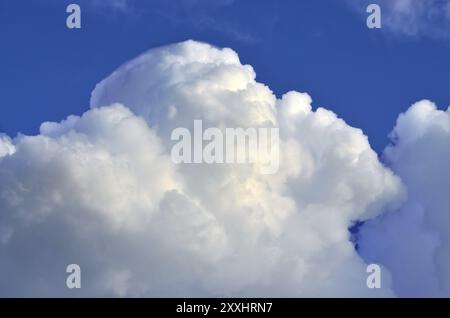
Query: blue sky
321, 47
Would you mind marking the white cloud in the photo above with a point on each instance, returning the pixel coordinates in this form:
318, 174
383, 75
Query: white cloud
6, 147
100, 190
414, 242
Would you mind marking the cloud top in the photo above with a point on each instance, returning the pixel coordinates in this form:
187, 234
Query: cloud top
414, 242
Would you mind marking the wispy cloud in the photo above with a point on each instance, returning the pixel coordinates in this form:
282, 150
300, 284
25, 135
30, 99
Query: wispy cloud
205, 15
128, 7
121, 5
196, 14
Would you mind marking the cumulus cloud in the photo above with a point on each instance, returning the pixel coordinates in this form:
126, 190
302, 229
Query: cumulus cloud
100, 190
413, 243
429, 18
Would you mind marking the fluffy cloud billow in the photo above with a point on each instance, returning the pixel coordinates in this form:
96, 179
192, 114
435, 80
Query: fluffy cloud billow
6, 147
100, 190
414, 243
